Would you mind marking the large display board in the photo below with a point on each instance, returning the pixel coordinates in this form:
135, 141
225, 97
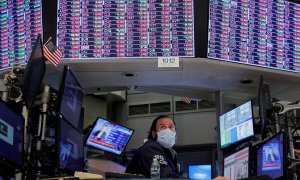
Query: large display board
263, 33
20, 24
125, 28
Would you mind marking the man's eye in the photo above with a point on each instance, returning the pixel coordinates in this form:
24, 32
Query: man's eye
172, 127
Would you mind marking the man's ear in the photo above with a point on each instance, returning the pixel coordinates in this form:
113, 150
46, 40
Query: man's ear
154, 134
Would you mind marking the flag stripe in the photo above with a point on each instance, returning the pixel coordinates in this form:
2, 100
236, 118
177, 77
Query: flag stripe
52, 55
55, 56
51, 58
186, 100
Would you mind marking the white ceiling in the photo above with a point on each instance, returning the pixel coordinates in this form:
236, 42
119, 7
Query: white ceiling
196, 78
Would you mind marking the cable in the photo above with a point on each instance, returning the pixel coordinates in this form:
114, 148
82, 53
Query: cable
295, 130
270, 130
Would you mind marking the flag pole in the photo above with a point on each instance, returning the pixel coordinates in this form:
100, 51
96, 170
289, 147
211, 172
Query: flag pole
48, 40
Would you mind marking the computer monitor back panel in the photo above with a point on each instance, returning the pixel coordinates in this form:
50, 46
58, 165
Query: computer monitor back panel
34, 73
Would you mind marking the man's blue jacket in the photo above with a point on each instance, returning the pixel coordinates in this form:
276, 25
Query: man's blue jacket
142, 160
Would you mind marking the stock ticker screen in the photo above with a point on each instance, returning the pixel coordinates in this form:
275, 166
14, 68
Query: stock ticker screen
20, 24
125, 28
264, 33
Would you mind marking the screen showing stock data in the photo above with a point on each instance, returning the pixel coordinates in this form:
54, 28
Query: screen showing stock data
263, 33
125, 28
20, 23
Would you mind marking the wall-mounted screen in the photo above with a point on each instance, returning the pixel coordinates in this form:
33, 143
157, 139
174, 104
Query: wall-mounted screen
270, 157
237, 124
108, 136
199, 171
20, 24
236, 165
11, 136
125, 28
262, 33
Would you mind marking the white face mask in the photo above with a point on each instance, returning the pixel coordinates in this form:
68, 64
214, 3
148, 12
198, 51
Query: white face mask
166, 138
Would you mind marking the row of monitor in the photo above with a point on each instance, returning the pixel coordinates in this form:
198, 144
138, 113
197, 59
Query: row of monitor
241, 32
238, 124
104, 135
111, 137
266, 158
270, 157
237, 127
69, 140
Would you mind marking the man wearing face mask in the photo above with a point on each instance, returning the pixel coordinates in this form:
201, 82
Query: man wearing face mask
161, 139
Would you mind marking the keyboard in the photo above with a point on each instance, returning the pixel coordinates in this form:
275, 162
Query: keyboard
117, 175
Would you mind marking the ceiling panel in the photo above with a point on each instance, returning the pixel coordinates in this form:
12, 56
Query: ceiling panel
196, 77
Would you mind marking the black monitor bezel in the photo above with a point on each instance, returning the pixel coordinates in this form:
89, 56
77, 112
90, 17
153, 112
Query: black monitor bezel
250, 149
265, 106
93, 126
67, 70
262, 106
58, 134
3, 159
195, 164
284, 153
227, 146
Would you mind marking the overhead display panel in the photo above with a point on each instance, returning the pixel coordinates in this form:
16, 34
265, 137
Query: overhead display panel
20, 24
95, 29
264, 33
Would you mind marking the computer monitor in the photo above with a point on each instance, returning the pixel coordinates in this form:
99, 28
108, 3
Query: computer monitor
236, 164
34, 73
199, 171
236, 125
70, 98
108, 136
11, 136
69, 148
271, 156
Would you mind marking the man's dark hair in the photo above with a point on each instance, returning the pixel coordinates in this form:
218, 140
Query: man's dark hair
153, 126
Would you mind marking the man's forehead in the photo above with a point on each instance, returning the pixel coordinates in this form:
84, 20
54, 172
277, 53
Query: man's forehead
165, 121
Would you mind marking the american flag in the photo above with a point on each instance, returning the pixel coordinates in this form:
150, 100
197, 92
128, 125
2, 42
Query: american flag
186, 100
52, 53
